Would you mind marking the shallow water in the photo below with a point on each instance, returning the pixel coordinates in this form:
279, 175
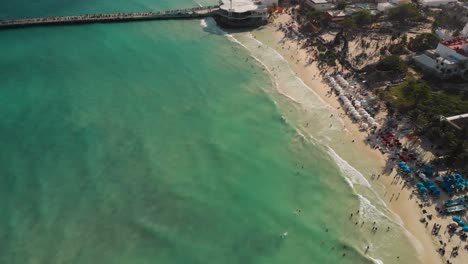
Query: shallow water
161, 142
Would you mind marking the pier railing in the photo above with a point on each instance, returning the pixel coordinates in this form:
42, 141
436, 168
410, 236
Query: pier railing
196, 12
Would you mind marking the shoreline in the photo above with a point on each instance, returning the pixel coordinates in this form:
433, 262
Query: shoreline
407, 211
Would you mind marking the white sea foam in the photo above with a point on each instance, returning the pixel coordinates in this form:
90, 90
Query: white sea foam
376, 261
368, 211
209, 24
347, 170
352, 175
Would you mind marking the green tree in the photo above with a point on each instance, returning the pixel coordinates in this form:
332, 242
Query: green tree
315, 16
403, 14
423, 41
341, 5
404, 39
392, 63
349, 23
362, 18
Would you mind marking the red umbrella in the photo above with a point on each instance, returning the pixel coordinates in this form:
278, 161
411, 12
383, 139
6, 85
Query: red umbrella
403, 158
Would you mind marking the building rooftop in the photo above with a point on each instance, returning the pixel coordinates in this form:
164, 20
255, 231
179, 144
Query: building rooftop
458, 121
319, 1
337, 13
241, 6
458, 44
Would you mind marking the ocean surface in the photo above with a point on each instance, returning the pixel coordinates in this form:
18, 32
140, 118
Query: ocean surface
170, 142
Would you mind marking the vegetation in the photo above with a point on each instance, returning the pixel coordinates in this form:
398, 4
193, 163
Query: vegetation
424, 106
392, 63
362, 18
423, 41
452, 17
349, 23
341, 5
404, 14
315, 16
397, 49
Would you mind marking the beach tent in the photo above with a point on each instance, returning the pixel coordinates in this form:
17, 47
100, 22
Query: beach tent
427, 170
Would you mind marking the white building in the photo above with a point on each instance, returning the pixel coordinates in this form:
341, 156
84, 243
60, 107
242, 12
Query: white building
450, 58
320, 5
382, 7
435, 2
244, 13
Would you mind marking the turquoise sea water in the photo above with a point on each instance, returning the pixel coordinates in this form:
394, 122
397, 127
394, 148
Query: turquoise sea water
155, 142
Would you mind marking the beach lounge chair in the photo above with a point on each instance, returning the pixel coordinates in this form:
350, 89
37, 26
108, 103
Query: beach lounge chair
455, 209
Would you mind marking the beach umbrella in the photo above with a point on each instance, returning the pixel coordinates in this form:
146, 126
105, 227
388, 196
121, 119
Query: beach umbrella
456, 219
420, 184
460, 223
432, 187
423, 189
460, 186
364, 126
407, 170
370, 120
465, 228
375, 124
357, 104
457, 175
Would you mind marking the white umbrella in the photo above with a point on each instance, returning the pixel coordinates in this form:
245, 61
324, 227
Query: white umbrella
357, 104
362, 111
366, 115
375, 124
370, 120
364, 126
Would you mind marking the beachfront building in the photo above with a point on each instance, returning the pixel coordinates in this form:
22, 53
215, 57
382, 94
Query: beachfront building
435, 2
382, 7
336, 16
244, 13
320, 5
449, 59
459, 121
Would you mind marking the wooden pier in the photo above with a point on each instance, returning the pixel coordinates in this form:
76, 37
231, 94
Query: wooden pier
190, 13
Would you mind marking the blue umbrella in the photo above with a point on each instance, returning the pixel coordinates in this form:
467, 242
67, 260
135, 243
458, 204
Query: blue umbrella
461, 223
401, 163
465, 228
460, 186
457, 175
456, 219
423, 189
420, 184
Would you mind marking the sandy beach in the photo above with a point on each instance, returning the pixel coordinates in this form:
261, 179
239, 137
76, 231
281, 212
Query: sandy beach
398, 198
